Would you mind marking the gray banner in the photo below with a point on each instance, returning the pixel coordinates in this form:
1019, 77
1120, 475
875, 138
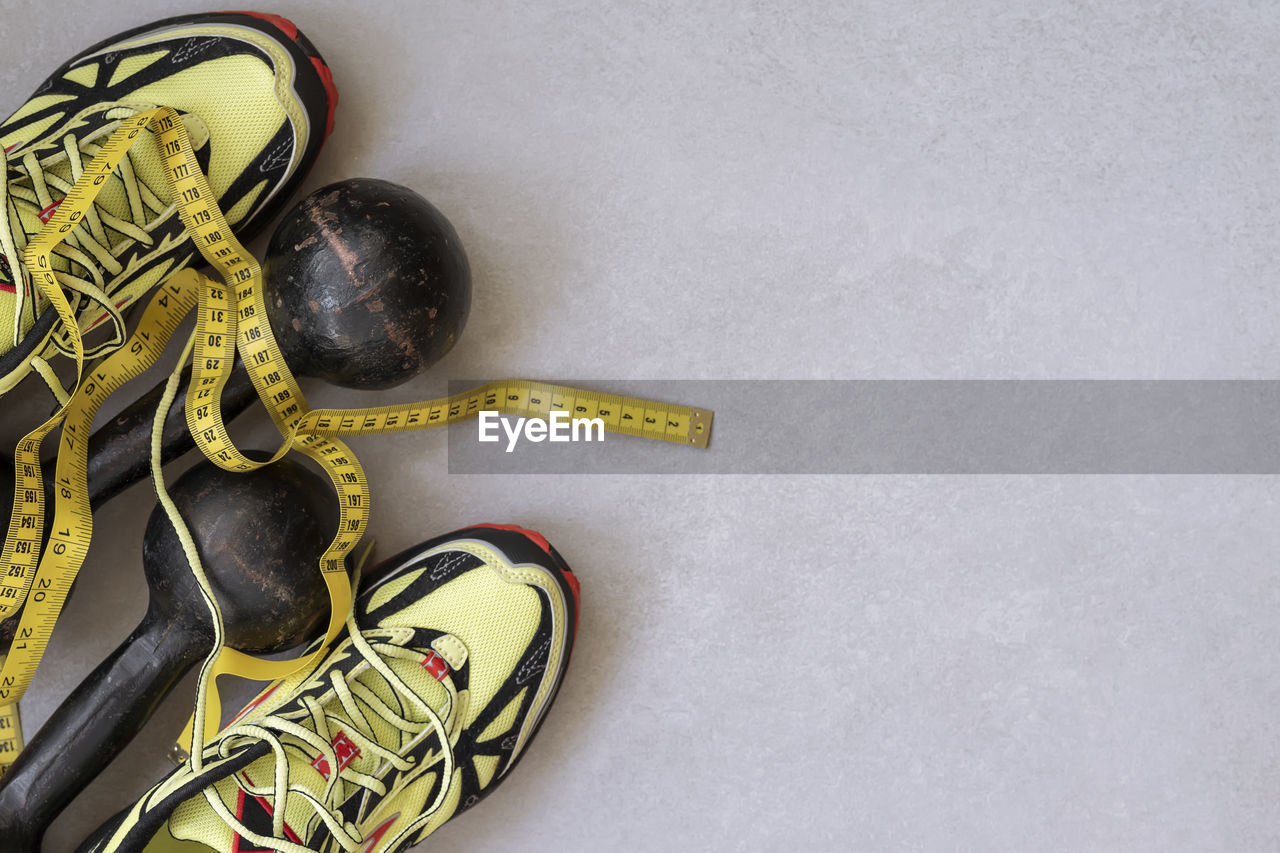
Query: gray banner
920, 427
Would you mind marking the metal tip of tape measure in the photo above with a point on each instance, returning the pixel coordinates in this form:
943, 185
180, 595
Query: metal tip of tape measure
700, 428
178, 755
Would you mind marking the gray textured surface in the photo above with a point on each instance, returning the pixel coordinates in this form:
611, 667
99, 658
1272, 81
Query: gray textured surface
828, 190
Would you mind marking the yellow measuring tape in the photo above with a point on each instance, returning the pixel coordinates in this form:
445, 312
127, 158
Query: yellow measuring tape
10, 733
42, 584
622, 415
26, 524
231, 316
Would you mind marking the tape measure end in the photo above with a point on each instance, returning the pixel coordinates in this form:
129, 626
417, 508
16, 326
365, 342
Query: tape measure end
700, 429
178, 754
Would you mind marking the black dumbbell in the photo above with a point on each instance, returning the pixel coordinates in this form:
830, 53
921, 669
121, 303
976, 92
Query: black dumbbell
259, 536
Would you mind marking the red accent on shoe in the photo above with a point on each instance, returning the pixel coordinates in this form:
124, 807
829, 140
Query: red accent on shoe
285, 25
240, 804
326, 78
574, 588
541, 541
240, 800
290, 29
343, 748
436, 666
538, 538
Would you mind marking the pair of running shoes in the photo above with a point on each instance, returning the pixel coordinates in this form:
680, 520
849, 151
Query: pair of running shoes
451, 659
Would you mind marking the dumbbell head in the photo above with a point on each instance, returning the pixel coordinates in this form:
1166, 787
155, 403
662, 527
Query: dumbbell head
259, 536
366, 284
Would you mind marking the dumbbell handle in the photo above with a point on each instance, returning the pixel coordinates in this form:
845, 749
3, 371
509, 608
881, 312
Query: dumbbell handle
91, 727
120, 449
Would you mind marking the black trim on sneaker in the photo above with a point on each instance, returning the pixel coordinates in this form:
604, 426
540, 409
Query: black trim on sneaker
312, 92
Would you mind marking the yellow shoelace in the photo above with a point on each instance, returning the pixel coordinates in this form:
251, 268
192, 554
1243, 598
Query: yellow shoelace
311, 726
91, 251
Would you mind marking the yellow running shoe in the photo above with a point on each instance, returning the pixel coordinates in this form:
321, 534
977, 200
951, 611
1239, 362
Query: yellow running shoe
449, 663
257, 101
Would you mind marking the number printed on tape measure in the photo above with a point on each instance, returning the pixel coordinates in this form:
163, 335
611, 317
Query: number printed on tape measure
72, 525
527, 398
